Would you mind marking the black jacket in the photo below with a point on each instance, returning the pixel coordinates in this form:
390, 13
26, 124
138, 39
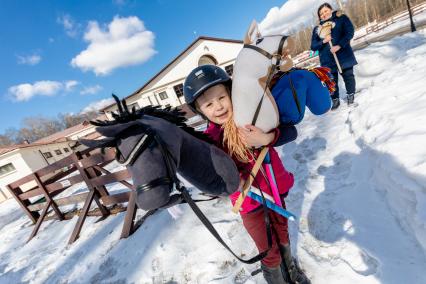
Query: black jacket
341, 34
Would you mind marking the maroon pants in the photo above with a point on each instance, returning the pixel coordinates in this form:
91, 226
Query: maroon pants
254, 223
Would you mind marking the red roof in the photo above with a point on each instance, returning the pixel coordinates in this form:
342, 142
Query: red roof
6, 149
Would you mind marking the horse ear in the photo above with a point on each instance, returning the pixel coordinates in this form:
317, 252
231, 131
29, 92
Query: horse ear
115, 129
252, 33
107, 142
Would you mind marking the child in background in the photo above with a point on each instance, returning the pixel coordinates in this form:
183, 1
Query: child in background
207, 92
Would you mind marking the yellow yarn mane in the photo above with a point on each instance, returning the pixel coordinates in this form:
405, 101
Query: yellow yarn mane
236, 146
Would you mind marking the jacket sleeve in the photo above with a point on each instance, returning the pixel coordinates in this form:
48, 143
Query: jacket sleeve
348, 32
316, 41
284, 134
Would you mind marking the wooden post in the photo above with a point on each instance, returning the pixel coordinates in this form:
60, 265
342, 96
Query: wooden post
23, 203
93, 193
40, 220
130, 216
48, 198
82, 217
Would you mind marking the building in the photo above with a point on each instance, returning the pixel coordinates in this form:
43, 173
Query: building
166, 87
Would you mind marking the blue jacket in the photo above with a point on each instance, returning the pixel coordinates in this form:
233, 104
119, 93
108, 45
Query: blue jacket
341, 35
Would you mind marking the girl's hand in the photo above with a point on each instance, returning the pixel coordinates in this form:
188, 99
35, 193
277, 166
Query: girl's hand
254, 136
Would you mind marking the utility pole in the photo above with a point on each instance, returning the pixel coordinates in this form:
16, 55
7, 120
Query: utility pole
413, 27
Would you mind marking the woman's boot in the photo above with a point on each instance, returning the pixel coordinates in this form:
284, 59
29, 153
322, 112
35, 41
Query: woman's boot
290, 267
273, 275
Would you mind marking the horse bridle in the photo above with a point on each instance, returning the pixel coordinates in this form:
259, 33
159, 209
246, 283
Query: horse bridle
274, 67
270, 56
145, 140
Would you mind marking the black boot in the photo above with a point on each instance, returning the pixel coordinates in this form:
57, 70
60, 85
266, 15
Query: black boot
291, 269
336, 104
350, 98
273, 275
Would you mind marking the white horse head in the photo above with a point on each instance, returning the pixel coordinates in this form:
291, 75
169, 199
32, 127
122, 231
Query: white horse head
251, 70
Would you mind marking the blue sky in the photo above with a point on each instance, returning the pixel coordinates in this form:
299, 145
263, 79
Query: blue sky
61, 56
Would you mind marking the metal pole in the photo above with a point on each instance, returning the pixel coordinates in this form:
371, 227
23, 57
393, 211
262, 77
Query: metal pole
413, 27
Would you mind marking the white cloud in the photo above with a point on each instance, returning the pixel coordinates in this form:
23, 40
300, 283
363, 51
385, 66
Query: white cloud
95, 106
24, 92
124, 42
71, 27
69, 85
29, 60
91, 90
291, 15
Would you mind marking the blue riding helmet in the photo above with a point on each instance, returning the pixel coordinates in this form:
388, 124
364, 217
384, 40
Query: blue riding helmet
202, 78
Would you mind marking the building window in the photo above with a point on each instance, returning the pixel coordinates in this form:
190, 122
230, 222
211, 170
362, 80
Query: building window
6, 169
47, 155
66, 150
58, 152
207, 59
163, 95
229, 69
178, 90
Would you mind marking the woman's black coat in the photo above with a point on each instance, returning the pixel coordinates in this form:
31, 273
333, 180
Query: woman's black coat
341, 34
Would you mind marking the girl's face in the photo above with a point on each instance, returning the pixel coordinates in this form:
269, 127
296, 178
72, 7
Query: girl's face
215, 104
325, 13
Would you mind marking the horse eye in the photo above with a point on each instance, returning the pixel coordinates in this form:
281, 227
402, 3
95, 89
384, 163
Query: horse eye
259, 40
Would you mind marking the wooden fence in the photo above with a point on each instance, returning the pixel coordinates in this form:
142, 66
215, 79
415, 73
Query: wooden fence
88, 167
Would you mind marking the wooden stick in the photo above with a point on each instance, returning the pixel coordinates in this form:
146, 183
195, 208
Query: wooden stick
249, 181
335, 58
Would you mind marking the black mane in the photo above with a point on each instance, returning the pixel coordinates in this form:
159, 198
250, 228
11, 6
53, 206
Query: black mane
172, 115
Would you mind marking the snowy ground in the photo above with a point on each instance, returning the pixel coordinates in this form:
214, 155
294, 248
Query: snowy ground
360, 195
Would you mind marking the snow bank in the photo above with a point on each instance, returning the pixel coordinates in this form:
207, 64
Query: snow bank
393, 123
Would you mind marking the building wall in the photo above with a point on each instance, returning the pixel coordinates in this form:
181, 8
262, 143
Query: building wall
21, 169
27, 161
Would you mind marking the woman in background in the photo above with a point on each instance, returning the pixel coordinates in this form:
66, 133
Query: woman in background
340, 37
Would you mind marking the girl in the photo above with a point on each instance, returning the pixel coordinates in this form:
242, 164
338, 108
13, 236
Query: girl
207, 92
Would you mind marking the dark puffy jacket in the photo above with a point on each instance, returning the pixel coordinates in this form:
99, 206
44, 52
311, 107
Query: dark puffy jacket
341, 35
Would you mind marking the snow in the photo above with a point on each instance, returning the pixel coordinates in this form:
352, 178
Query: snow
360, 195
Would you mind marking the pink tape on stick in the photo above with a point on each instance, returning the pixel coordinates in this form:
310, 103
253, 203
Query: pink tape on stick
272, 181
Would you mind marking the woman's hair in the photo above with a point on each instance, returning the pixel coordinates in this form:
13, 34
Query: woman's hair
322, 6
